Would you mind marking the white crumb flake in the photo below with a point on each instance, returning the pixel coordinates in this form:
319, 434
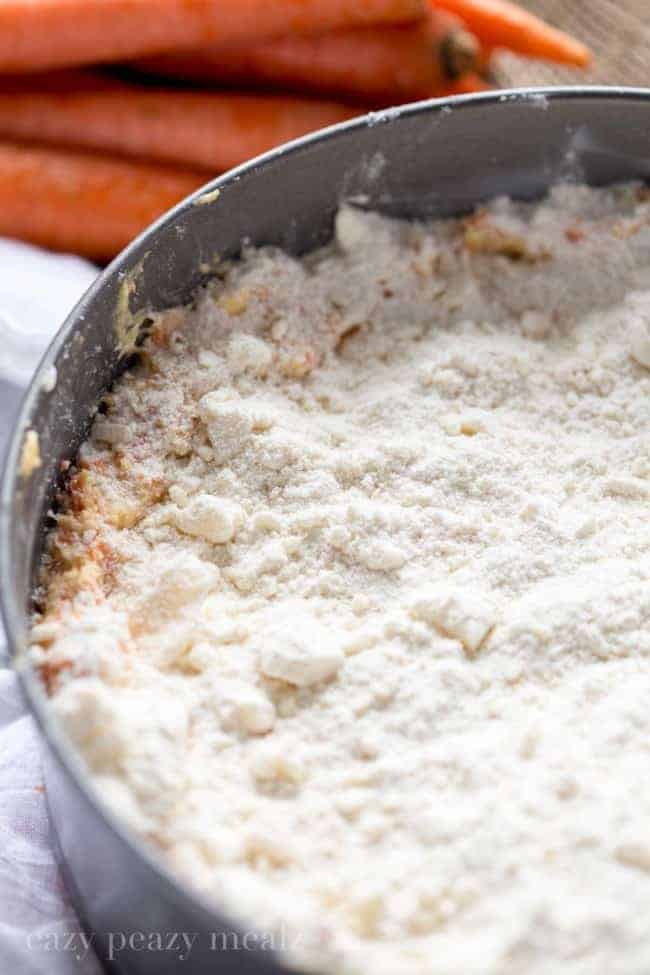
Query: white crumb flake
244, 707
30, 457
459, 612
635, 854
382, 556
96, 645
640, 344
217, 520
349, 610
228, 425
269, 764
111, 433
637, 320
86, 711
298, 649
248, 354
49, 380
352, 230
181, 582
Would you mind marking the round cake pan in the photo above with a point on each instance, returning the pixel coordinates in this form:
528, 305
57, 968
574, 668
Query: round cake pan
430, 159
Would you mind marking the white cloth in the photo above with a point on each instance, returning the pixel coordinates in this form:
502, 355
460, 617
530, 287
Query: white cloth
39, 933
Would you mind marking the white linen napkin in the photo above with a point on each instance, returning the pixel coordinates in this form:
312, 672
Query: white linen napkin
39, 933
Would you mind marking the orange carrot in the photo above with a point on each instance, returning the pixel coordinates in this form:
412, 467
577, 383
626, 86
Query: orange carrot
70, 80
78, 202
41, 34
500, 23
466, 85
210, 130
484, 60
372, 64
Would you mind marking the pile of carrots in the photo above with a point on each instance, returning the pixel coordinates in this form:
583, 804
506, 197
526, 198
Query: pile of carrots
113, 110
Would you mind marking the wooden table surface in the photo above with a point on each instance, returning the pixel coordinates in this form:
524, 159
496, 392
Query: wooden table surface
618, 32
